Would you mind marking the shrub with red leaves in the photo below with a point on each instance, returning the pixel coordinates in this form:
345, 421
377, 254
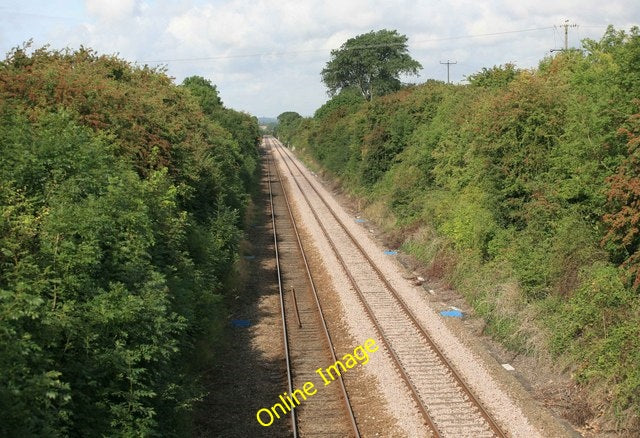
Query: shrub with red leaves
624, 201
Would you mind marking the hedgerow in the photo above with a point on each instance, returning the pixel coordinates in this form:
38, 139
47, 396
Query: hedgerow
121, 200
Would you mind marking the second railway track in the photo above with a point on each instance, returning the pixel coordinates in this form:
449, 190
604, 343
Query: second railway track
448, 406
307, 341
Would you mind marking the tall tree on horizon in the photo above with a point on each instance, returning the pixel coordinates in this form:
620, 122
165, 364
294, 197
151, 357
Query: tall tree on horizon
372, 63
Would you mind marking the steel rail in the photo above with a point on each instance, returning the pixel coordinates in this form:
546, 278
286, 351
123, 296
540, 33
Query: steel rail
312, 284
463, 386
294, 423
314, 290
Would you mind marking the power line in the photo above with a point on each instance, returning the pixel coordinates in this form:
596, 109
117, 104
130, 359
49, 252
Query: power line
12, 14
248, 55
363, 47
9, 13
480, 35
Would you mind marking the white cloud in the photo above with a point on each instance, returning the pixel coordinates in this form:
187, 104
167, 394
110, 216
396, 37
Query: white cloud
306, 30
217, 27
111, 9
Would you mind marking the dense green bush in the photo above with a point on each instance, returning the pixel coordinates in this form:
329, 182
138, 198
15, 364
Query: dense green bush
520, 180
121, 196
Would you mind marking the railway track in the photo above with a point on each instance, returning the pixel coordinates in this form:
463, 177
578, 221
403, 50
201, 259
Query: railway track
448, 406
307, 342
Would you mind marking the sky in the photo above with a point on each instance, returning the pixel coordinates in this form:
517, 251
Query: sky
265, 56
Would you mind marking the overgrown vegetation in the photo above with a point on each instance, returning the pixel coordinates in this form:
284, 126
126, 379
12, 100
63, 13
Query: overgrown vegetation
121, 198
521, 189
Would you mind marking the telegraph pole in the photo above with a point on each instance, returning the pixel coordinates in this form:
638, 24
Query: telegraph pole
448, 63
566, 26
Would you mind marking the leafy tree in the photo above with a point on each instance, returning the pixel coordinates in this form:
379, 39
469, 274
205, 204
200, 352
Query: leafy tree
288, 117
205, 92
371, 62
287, 122
243, 127
494, 77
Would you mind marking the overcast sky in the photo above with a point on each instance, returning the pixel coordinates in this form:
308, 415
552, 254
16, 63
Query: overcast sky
266, 56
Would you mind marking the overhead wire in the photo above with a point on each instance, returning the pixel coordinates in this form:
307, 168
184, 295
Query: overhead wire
302, 51
12, 14
362, 47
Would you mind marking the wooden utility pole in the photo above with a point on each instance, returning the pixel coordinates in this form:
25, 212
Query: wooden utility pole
566, 26
448, 63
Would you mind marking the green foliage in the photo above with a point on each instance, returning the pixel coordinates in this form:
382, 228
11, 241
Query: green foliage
345, 102
469, 223
623, 195
371, 62
243, 128
600, 326
205, 92
288, 117
526, 181
288, 122
494, 77
121, 198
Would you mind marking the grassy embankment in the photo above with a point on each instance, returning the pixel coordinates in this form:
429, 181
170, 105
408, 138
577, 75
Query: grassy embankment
521, 190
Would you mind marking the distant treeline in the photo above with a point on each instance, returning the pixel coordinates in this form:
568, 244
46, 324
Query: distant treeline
121, 201
522, 189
